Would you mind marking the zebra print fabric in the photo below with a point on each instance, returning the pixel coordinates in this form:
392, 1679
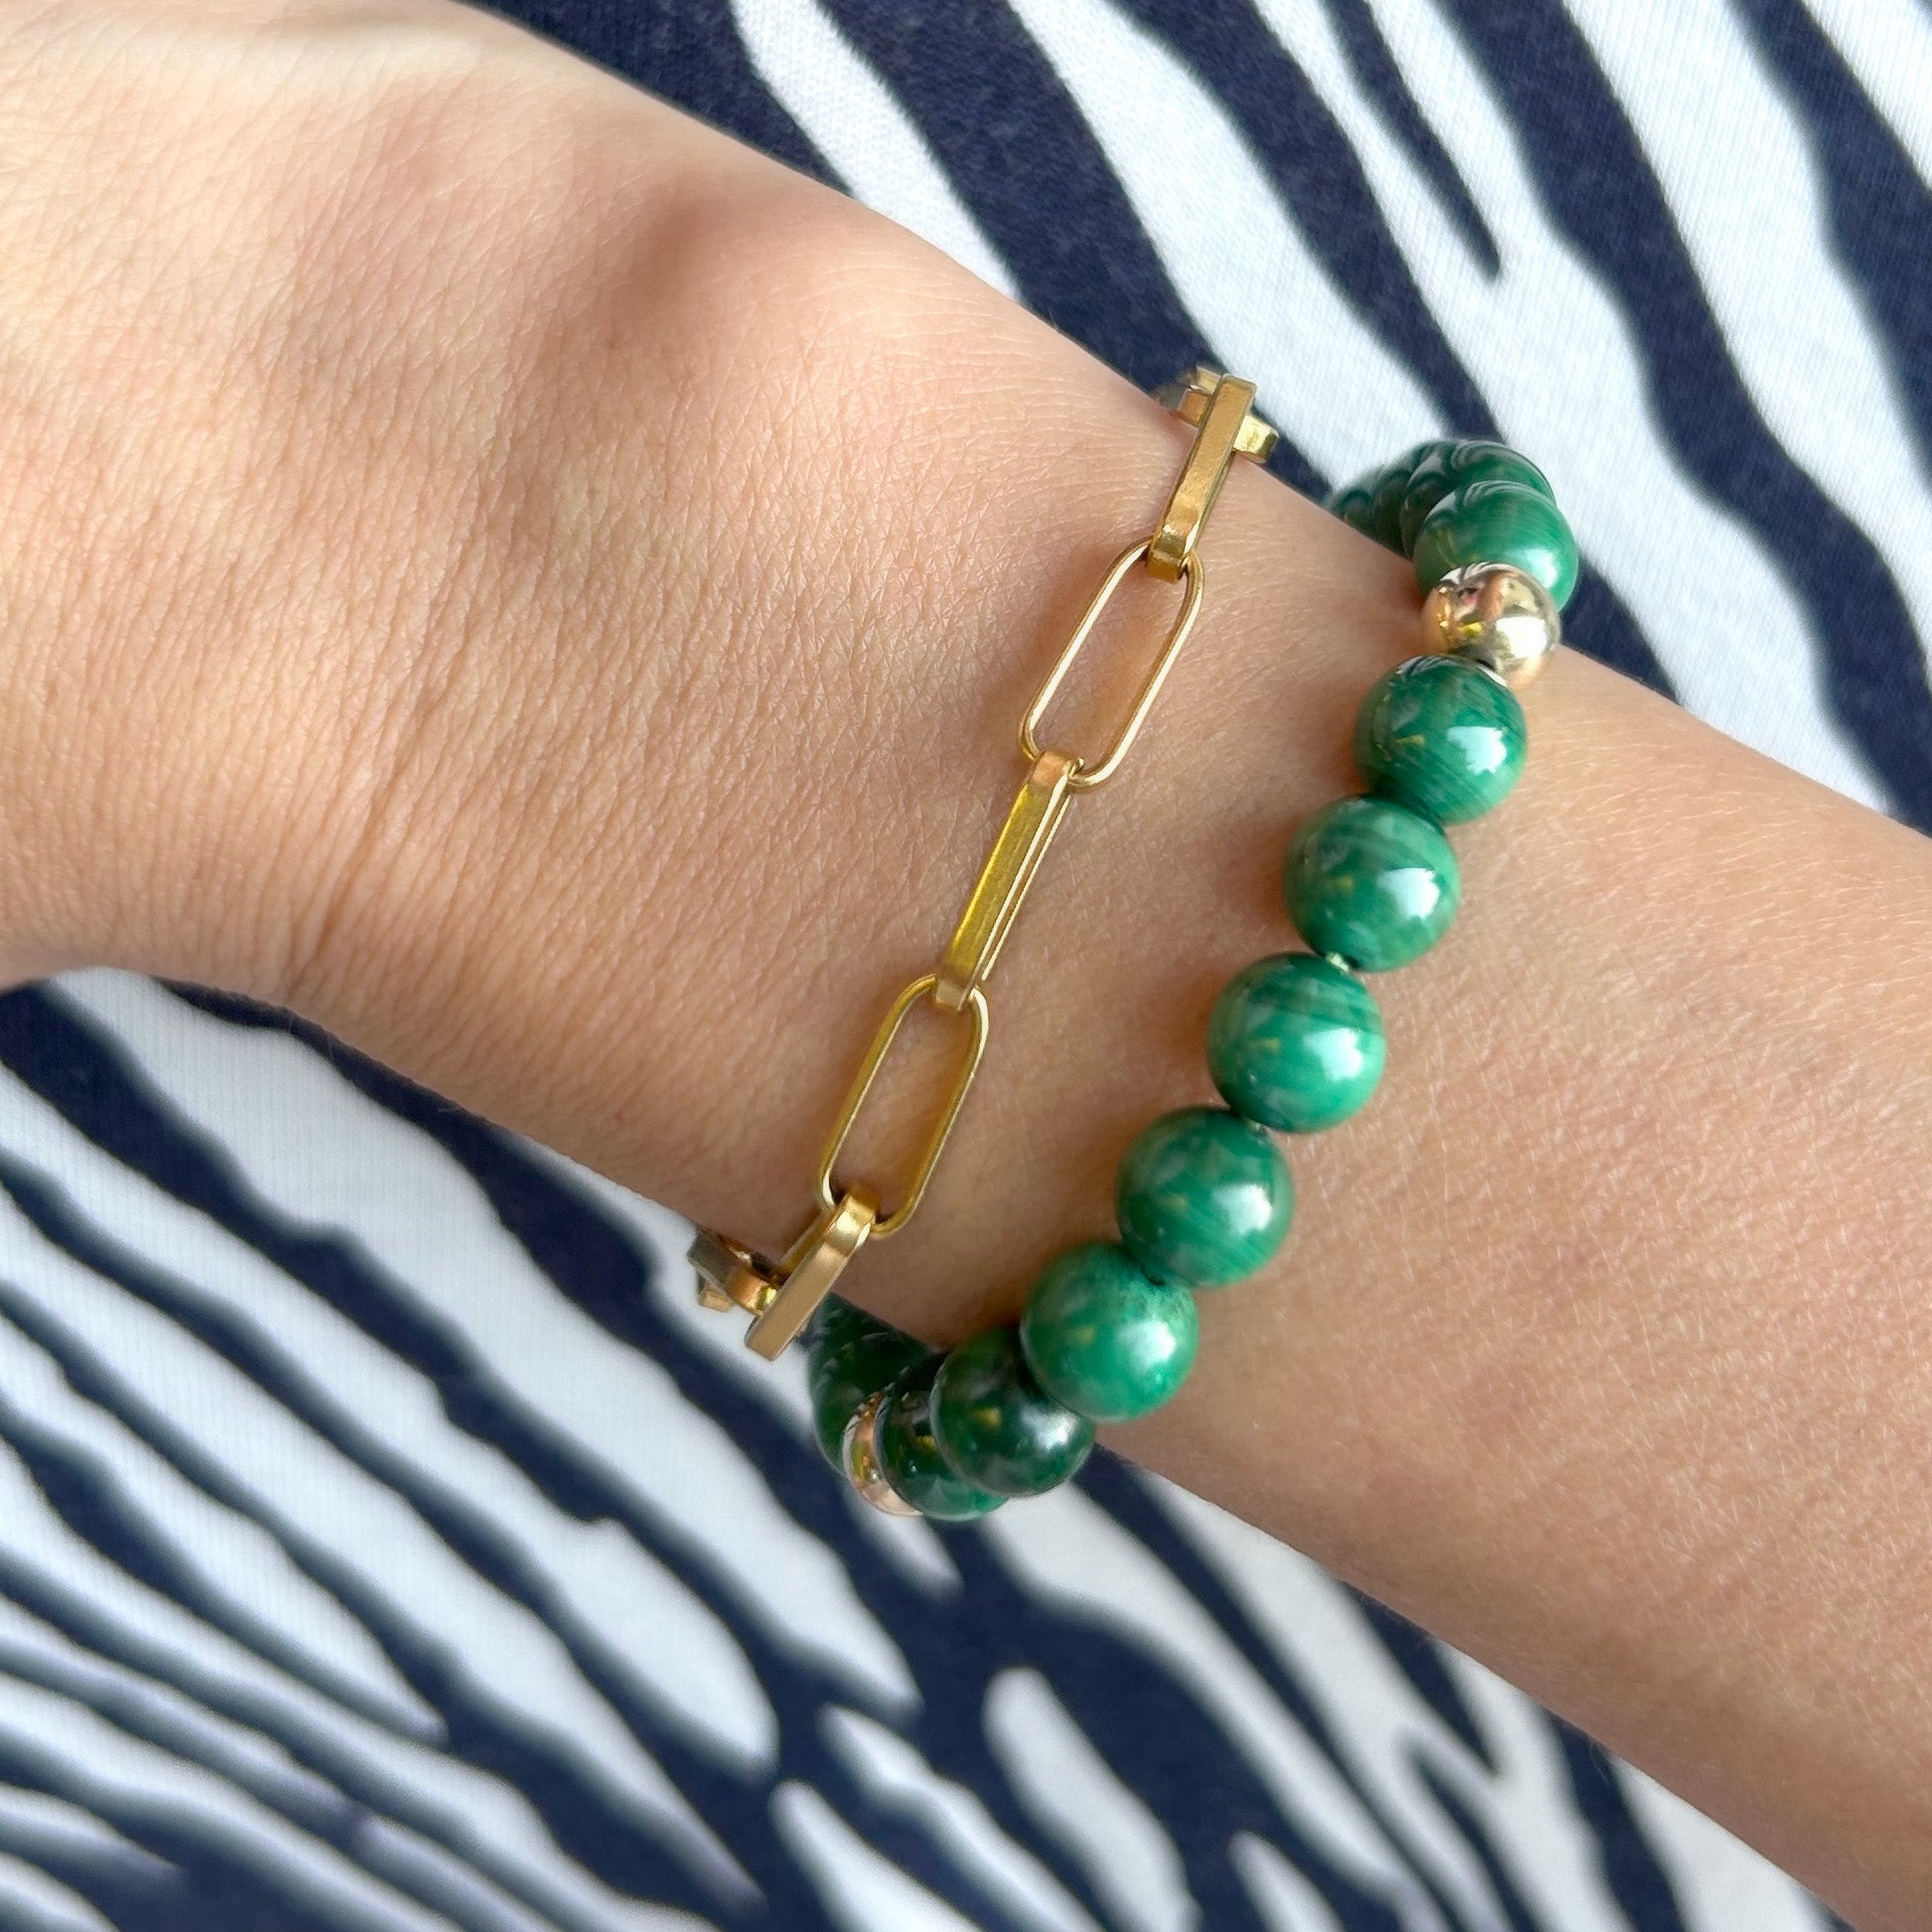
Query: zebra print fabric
389, 1540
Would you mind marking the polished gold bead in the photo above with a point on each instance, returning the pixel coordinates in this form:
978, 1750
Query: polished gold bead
1494, 616
861, 1459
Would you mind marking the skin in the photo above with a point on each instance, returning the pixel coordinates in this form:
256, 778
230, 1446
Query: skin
547, 594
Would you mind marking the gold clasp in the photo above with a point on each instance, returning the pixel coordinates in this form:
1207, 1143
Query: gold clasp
809, 1266
782, 1296
889, 1225
731, 1274
1221, 408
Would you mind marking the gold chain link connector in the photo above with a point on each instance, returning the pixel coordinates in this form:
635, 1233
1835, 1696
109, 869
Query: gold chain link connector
782, 1296
1221, 409
1009, 871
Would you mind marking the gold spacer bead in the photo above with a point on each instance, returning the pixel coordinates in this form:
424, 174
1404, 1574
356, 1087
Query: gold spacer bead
1494, 616
860, 1455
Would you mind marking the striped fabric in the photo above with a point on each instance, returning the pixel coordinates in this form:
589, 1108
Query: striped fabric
389, 1540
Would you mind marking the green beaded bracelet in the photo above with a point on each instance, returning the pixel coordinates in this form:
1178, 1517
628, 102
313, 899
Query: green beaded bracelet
1295, 1041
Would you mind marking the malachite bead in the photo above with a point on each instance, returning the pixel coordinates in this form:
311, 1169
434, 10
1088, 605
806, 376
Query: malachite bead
837, 1320
910, 1458
1371, 881
1384, 522
1442, 735
1450, 466
1202, 1197
853, 1356
1294, 1042
1103, 1338
1354, 501
1498, 522
996, 1426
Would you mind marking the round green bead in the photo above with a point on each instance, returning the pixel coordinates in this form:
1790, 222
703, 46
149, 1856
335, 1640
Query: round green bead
909, 1454
1354, 501
1385, 514
853, 1357
1294, 1042
1103, 1338
1202, 1197
1443, 736
1449, 466
1372, 882
996, 1426
1498, 522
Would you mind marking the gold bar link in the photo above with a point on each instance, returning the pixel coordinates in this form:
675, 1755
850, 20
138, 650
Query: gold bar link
1088, 776
889, 1225
1004, 880
1202, 477
1188, 398
729, 1275
806, 1275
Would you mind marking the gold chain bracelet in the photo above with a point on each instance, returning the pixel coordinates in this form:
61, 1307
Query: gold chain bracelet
782, 1296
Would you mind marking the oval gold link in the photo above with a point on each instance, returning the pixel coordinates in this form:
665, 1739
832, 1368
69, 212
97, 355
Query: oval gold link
888, 1224
1089, 776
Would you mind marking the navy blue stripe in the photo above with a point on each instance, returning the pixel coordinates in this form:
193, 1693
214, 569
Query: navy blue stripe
1125, 1498
1879, 210
1015, 149
1598, 623
123, 1889
584, 1823
1631, 1871
1319, 177
1160, 1742
84, 1492
223, 1891
1380, 78
689, 53
77, 1620
326, 1815
1516, 1910
1420, 1659
1598, 182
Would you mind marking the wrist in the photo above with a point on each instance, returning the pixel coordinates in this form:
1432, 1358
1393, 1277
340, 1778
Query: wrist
256, 406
